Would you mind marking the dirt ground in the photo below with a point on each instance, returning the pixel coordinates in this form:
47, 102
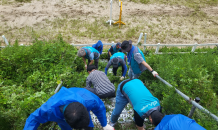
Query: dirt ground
14, 17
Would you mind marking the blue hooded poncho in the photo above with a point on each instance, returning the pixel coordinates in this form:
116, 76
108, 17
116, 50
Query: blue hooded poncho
178, 122
50, 110
98, 46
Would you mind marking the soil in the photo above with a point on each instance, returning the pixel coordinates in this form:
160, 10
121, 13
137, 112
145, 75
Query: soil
18, 15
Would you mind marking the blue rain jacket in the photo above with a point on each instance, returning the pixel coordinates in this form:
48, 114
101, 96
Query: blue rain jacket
96, 46
178, 122
50, 110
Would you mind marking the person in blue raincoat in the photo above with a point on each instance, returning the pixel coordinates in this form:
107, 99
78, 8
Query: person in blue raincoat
118, 59
70, 108
114, 49
177, 122
136, 60
98, 46
89, 53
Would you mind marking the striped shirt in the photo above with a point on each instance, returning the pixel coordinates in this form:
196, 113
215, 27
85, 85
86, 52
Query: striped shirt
100, 82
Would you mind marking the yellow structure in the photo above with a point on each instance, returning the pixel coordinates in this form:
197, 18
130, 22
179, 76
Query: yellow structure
120, 22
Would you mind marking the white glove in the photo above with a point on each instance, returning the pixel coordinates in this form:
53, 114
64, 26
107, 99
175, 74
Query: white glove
121, 78
154, 73
86, 66
108, 127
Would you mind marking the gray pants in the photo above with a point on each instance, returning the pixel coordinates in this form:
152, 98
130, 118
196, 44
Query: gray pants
107, 95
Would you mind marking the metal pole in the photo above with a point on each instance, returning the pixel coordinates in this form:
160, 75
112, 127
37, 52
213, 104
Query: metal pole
157, 49
197, 99
189, 99
140, 37
145, 41
6, 41
59, 85
194, 47
56, 90
110, 20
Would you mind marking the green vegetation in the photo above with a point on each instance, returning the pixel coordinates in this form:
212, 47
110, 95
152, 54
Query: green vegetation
188, 3
30, 74
23, 0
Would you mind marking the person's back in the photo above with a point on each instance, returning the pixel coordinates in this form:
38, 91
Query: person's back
118, 59
90, 50
102, 85
98, 46
50, 111
178, 122
140, 97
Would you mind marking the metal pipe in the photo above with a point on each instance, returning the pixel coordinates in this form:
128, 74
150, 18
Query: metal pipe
189, 99
6, 41
111, 12
58, 87
140, 37
197, 99
56, 90
209, 44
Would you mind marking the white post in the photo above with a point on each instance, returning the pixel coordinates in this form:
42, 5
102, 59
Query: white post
194, 47
140, 37
110, 21
157, 49
145, 41
113, 43
6, 41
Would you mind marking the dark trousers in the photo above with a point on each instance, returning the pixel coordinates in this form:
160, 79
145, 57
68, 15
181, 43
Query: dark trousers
115, 70
108, 56
96, 62
138, 120
107, 95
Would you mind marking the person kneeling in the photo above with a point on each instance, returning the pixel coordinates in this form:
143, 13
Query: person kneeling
103, 88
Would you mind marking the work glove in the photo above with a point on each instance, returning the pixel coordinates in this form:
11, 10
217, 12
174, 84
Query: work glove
121, 78
108, 127
154, 73
86, 66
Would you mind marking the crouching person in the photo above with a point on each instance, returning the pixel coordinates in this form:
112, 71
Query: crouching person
103, 88
89, 53
143, 102
176, 122
70, 109
98, 46
118, 59
114, 49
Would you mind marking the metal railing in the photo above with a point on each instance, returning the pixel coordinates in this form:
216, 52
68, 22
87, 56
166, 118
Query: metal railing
158, 45
194, 103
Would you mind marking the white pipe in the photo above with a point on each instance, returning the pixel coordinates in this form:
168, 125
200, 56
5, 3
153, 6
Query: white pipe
189, 99
6, 41
140, 37
58, 87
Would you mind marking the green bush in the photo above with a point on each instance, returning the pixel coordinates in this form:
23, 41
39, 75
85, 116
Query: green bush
30, 74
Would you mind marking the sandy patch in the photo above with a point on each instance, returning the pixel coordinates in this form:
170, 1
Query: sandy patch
38, 12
